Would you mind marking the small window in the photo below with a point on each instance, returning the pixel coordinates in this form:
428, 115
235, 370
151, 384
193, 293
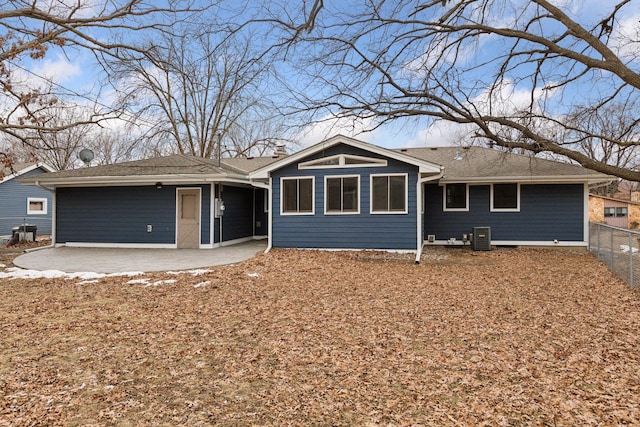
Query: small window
456, 197
505, 197
621, 212
296, 196
36, 206
342, 161
342, 194
389, 193
609, 212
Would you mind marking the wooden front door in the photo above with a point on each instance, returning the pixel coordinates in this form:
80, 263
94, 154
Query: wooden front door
188, 218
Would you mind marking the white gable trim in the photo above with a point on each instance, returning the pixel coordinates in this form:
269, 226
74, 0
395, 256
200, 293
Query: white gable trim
28, 169
424, 166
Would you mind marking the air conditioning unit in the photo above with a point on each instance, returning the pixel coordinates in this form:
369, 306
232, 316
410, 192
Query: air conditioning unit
481, 239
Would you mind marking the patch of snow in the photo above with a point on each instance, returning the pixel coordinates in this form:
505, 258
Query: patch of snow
160, 282
253, 275
86, 282
625, 249
137, 281
2, 266
201, 284
196, 272
19, 273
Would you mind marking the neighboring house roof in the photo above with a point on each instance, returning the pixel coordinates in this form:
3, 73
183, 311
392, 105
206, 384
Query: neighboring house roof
480, 164
613, 199
22, 168
425, 166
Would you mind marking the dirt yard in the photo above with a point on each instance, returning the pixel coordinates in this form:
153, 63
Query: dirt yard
508, 337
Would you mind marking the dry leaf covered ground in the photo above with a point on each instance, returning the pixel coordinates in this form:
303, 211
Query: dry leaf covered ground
508, 337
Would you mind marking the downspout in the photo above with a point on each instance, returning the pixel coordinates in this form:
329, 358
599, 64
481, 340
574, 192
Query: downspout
420, 237
53, 214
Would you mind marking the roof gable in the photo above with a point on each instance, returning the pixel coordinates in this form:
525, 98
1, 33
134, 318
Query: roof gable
23, 168
424, 166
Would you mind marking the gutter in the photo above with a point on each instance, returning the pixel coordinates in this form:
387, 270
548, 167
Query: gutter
420, 216
50, 190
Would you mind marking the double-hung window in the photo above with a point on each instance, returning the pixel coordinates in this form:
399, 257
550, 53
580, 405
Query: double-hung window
389, 194
297, 196
456, 197
342, 195
615, 212
505, 197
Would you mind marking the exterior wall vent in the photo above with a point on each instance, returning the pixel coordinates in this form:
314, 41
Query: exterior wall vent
481, 238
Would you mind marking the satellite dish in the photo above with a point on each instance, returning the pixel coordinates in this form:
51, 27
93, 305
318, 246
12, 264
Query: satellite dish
86, 156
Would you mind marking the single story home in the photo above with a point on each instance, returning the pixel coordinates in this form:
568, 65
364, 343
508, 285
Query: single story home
615, 211
24, 204
341, 193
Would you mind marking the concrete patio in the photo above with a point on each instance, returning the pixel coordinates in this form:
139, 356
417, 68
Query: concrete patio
117, 260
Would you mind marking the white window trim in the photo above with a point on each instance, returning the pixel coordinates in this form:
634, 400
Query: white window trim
367, 162
313, 195
444, 198
326, 193
406, 194
36, 200
516, 209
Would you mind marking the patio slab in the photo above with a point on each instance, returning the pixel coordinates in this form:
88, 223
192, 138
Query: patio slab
119, 260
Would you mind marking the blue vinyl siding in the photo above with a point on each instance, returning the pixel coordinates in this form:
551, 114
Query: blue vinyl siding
547, 212
121, 214
345, 231
237, 221
13, 205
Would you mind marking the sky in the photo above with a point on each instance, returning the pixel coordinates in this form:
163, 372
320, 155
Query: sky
75, 71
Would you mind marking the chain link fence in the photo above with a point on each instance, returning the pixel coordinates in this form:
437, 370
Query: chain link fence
619, 248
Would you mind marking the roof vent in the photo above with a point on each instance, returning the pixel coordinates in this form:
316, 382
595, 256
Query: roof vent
404, 150
280, 151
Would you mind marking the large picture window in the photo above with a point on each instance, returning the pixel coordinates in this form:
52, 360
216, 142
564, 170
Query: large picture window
456, 197
389, 193
342, 194
297, 196
505, 197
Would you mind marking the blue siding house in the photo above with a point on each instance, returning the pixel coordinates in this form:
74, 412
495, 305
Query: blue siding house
23, 204
341, 193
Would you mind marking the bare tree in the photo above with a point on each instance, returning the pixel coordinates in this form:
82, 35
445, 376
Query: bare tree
519, 72
200, 93
29, 29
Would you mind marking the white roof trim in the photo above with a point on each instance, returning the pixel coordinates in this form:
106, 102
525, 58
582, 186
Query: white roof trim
552, 179
34, 166
423, 165
100, 181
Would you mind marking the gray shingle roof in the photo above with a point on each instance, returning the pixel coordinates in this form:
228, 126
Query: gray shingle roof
478, 163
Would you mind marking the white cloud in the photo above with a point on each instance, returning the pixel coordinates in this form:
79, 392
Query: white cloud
625, 38
331, 126
58, 69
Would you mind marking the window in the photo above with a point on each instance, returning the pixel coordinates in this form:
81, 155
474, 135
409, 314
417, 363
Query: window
389, 193
342, 194
619, 212
505, 197
342, 161
456, 197
36, 206
296, 196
